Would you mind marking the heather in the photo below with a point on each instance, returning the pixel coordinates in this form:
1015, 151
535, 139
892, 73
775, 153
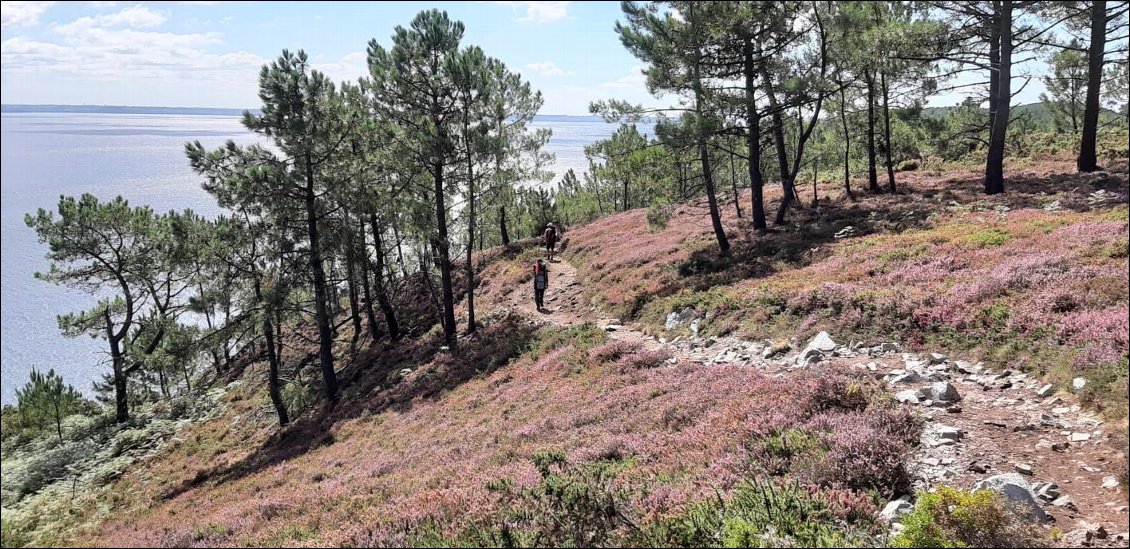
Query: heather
516, 437
1036, 280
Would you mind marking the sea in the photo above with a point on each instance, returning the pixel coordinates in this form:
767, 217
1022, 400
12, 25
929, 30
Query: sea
137, 153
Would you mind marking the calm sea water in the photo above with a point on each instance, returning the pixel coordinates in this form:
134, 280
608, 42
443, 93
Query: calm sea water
140, 157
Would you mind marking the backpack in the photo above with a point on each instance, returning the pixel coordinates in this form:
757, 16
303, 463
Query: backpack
541, 278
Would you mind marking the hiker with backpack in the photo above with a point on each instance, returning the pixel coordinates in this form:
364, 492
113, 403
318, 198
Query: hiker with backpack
541, 282
550, 238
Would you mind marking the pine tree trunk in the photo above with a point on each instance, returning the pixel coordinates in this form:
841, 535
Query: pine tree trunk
367, 286
470, 244
443, 246
625, 195
351, 277
58, 420
502, 226
734, 184
1088, 159
994, 165
872, 173
782, 155
753, 140
272, 360
847, 143
325, 337
707, 177
379, 277
121, 402
887, 133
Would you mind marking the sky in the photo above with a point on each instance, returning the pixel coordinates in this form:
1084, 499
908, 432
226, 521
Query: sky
207, 54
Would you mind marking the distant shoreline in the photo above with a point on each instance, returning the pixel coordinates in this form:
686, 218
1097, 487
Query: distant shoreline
197, 111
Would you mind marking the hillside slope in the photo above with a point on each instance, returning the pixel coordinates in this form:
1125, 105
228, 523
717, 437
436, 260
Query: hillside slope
432, 445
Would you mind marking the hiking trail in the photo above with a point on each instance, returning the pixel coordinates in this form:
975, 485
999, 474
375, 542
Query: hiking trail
980, 424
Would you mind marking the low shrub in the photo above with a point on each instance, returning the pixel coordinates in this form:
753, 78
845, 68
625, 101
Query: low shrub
764, 514
956, 518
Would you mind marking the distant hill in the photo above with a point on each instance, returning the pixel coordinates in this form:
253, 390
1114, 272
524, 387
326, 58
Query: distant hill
1039, 112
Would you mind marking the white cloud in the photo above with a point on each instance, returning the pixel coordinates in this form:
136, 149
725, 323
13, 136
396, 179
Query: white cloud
635, 79
548, 68
349, 68
122, 47
539, 12
22, 14
134, 17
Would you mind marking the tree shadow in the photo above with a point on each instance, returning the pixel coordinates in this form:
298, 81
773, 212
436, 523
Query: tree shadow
382, 378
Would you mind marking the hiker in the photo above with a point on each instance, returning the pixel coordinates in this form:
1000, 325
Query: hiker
550, 237
541, 282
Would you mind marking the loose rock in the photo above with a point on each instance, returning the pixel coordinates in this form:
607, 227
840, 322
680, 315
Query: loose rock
943, 391
1017, 491
895, 509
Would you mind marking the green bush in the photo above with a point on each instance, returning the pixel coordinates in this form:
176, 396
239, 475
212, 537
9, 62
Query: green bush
11, 531
956, 518
658, 217
989, 237
575, 505
762, 514
45, 467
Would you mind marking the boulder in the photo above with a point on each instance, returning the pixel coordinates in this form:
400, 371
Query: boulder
1045, 391
909, 396
1024, 468
822, 342
1017, 492
1078, 383
809, 356
938, 358
909, 377
1110, 483
943, 392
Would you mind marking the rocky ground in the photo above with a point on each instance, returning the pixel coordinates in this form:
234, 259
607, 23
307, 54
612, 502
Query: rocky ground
1002, 430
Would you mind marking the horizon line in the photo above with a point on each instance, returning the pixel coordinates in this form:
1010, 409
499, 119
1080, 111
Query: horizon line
233, 109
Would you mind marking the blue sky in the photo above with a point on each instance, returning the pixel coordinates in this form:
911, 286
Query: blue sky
207, 54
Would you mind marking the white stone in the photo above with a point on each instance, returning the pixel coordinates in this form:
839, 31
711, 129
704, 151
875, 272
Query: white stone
910, 396
909, 377
943, 391
938, 358
1079, 437
895, 509
1044, 391
1024, 468
1110, 482
1061, 501
1017, 491
822, 342
946, 432
1078, 383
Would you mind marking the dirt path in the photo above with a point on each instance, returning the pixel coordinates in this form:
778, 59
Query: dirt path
1063, 453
